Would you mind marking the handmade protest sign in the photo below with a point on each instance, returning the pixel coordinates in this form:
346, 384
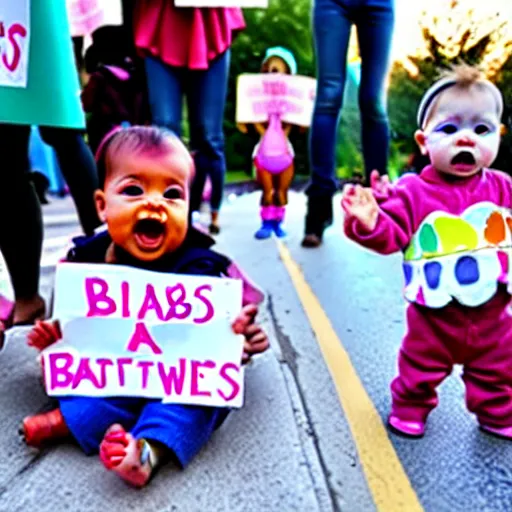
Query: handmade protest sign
221, 3
130, 332
14, 42
291, 96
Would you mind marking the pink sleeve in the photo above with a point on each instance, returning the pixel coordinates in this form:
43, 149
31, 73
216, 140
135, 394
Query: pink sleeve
394, 228
505, 182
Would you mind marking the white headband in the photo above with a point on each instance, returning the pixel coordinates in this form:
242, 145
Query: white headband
443, 84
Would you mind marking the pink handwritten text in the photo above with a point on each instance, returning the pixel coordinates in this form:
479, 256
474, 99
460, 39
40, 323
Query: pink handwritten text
187, 376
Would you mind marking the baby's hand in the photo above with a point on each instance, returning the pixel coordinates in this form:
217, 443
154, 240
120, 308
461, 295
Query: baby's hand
360, 203
380, 184
256, 340
44, 334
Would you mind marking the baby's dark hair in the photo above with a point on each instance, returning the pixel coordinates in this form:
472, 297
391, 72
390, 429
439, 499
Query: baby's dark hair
136, 139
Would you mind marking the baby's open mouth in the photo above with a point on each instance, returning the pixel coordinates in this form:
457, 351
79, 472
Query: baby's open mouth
464, 158
149, 234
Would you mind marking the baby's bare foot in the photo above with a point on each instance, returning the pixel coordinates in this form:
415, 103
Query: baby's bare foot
128, 457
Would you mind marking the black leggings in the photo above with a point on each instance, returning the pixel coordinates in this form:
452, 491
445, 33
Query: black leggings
21, 226
79, 170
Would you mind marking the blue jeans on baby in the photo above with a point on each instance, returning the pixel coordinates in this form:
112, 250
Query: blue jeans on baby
332, 22
205, 91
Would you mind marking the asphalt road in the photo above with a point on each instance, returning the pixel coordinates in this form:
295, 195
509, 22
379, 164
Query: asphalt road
312, 433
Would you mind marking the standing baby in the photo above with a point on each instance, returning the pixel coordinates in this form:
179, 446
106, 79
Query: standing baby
453, 224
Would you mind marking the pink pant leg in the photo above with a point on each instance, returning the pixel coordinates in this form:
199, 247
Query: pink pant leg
488, 365
424, 361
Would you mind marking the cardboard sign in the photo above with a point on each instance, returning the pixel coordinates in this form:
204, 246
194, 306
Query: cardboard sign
14, 42
221, 3
130, 332
259, 95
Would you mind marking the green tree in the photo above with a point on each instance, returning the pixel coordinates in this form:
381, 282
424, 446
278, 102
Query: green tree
504, 82
469, 39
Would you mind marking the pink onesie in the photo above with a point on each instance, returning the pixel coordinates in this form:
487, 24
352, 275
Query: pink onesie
456, 236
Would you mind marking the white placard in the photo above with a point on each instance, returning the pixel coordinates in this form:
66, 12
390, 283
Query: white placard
258, 95
130, 332
222, 3
14, 42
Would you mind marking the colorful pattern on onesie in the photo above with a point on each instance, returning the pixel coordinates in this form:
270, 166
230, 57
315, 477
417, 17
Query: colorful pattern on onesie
461, 257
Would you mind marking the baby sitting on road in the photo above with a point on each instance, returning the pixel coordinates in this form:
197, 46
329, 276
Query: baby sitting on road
145, 175
453, 224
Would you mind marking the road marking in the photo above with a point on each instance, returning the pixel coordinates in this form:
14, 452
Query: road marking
389, 484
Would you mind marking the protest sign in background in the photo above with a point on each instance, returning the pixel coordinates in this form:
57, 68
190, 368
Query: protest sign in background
130, 332
14, 42
261, 94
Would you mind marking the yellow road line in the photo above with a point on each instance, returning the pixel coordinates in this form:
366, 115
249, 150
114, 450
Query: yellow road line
387, 480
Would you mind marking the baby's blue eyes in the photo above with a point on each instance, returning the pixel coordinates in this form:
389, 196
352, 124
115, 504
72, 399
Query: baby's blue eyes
449, 129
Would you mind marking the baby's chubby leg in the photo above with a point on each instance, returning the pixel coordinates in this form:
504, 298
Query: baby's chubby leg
424, 361
488, 370
85, 419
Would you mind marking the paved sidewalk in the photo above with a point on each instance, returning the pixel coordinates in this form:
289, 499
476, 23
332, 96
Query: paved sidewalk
264, 458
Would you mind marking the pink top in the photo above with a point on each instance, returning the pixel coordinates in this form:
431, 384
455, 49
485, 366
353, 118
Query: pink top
456, 235
184, 37
416, 196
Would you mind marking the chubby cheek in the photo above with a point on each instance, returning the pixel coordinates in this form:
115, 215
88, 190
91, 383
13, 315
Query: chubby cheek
178, 227
439, 157
120, 222
489, 150
439, 142
439, 149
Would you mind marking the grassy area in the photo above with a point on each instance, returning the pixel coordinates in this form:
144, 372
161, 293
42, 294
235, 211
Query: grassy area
237, 177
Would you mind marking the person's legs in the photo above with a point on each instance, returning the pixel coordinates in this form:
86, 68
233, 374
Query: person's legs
424, 361
79, 170
88, 418
375, 31
206, 101
282, 182
165, 91
21, 228
331, 28
266, 207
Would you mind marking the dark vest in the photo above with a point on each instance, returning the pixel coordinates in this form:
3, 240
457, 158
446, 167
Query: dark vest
194, 257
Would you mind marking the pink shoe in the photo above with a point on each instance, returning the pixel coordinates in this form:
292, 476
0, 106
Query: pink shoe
502, 432
406, 428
